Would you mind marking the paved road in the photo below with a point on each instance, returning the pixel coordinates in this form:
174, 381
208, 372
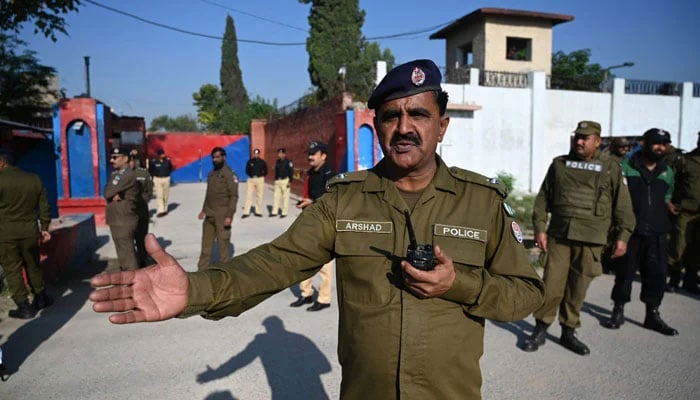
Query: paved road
273, 351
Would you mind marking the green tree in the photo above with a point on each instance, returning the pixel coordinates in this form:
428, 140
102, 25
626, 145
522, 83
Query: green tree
216, 114
574, 71
181, 123
46, 15
24, 81
209, 102
230, 72
335, 40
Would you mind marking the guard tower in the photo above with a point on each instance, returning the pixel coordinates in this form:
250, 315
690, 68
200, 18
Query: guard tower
498, 39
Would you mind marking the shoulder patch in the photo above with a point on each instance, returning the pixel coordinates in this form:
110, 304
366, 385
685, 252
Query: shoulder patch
473, 177
508, 209
348, 177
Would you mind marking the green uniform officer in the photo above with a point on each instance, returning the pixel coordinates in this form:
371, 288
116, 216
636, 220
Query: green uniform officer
584, 192
122, 194
404, 332
144, 184
684, 249
218, 209
21, 195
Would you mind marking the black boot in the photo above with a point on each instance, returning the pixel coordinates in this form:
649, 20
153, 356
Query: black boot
654, 322
617, 318
23, 311
301, 301
570, 341
41, 300
537, 338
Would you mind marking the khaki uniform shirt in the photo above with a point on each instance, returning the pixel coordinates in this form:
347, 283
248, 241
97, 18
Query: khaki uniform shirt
392, 344
687, 187
584, 198
123, 212
222, 193
21, 195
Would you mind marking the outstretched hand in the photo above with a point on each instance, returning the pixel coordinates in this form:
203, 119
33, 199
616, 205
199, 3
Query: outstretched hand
155, 293
426, 284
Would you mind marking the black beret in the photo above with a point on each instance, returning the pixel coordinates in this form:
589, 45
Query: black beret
407, 79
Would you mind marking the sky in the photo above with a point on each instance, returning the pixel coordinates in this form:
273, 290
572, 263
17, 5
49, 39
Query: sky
139, 69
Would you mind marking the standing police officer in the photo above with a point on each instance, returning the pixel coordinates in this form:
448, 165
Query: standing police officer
583, 191
284, 172
684, 251
404, 332
218, 209
161, 167
145, 187
314, 187
122, 194
21, 195
619, 147
256, 169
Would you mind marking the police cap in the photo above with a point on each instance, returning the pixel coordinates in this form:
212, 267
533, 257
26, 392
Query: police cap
120, 151
407, 79
587, 128
317, 146
620, 142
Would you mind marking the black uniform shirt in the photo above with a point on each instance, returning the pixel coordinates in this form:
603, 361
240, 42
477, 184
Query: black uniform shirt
256, 167
161, 168
284, 169
318, 180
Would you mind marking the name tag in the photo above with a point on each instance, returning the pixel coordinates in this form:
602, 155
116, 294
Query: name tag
461, 232
586, 166
345, 225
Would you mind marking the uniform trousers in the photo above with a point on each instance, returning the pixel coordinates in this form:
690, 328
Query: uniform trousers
683, 251
124, 243
324, 291
162, 186
13, 254
140, 238
649, 255
254, 184
281, 193
211, 230
569, 268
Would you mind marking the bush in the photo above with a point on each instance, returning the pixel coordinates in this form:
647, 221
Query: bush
507, 179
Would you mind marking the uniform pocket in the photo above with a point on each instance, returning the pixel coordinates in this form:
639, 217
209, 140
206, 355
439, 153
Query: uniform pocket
462, 251
364, 267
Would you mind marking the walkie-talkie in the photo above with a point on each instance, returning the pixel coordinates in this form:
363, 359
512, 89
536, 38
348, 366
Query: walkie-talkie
418, 255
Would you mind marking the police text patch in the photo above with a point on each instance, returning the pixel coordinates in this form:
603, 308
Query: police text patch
461, 232
586, 166
344, 225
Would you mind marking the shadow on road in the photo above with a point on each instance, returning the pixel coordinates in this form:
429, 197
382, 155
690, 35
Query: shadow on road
69, 298
293, 364
603, 314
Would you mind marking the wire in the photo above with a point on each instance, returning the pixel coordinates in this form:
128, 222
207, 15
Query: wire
253, 15
403, 35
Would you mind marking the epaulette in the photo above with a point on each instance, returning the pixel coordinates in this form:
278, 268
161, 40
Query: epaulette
473, 177
347, 177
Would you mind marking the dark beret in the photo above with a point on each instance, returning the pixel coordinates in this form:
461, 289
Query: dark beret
407, 79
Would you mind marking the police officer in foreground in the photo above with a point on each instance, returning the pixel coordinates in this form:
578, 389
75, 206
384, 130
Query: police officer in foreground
284, 173
122, 194
650, 182
22, 198
256, 169
218, 209
583, 191
684, 251
144, 184
314, 187
404, 332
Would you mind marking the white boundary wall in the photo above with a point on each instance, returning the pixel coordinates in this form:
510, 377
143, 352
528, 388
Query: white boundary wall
519, 131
